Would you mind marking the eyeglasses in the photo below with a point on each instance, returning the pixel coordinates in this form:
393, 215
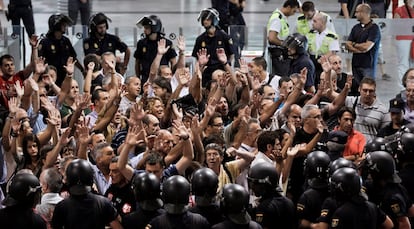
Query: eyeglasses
316, 117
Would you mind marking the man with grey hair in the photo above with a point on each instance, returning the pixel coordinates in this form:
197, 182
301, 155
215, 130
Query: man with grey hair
307, 137
51, 182
103, 155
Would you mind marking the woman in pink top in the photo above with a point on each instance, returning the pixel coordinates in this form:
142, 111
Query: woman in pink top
403, 42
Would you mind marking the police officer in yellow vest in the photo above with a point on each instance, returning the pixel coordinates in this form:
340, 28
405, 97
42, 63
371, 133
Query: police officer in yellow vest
321, 41
304, 21
277, 31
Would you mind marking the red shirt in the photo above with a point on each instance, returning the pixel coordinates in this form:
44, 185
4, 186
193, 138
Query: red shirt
403, 13
6, 85
355, 144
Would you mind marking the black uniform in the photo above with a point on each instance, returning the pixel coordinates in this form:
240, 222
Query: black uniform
220, 40
88, 211
187, 220
227, 224
393, 199
56, 52
110, 43
21, 9
303, 61
357, 214
16, 217
329, 206
275, 211
122, 198
309, 204
407, 179
212, 213
140, 218
297, 179
389, 130
146, 52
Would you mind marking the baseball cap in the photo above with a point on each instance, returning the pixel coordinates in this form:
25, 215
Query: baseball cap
396, 105
338, 136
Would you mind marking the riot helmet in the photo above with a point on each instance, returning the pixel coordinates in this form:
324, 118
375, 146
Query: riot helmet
235, 202
296, 41
340, 163
175, 194
97, 19
24, 190
375, 144
381, 166
316, 169
57, 20
263, 179
147, 191
79, 177
209, 13
407, 148
204, 183
153, 21
345, 183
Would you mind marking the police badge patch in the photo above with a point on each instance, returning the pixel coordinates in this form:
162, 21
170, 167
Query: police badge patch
334, 222
259, 217
144, 49
203, 44
230, 41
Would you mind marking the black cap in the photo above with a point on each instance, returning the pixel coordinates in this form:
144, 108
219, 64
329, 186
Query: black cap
396, 105
338, 136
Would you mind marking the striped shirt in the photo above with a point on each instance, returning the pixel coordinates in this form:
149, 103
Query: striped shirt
369, 119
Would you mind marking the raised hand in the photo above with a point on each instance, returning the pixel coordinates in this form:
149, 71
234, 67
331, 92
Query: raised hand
33, 84
136, 114
326, 66
13, 105
33, 40
91, 66
83, 134
65, 138
40, 66
244, 68
303, 75
162, 48
181, 43
135, 136
211, 107
70, 66
178, 112
203, 57
221, 55
19, 89
182, 132
83, 101
53, 117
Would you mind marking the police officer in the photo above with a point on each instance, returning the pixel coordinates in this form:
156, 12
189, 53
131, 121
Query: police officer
304, 21
309, 204
274, 210
175, 194
147, 47
297, 46
57, 48
329, 205
234, 204
277, 32
385, 189
21, 10
212, 39
346, 188
149, 204
83, 209
321, 41
23, 194
204, 186
406, 156
99, 41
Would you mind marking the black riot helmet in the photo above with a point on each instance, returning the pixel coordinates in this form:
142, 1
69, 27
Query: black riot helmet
147, 191
340, 163
407, 148
235, 202
381, 166
24, 190
175, 194
375, 144
345, 183
153, 21
56, 20
97, 19
204, 183
263, 179
297, 42
316, 169
209, 13
79, 177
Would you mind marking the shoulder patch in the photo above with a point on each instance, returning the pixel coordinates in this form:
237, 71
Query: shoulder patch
395, 208
332, 35
300, 207
230, 41
148, 226
259, 217
302, 17
334, 222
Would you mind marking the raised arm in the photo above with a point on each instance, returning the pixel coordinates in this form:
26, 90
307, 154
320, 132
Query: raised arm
155, 66
134, 137
187, 147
